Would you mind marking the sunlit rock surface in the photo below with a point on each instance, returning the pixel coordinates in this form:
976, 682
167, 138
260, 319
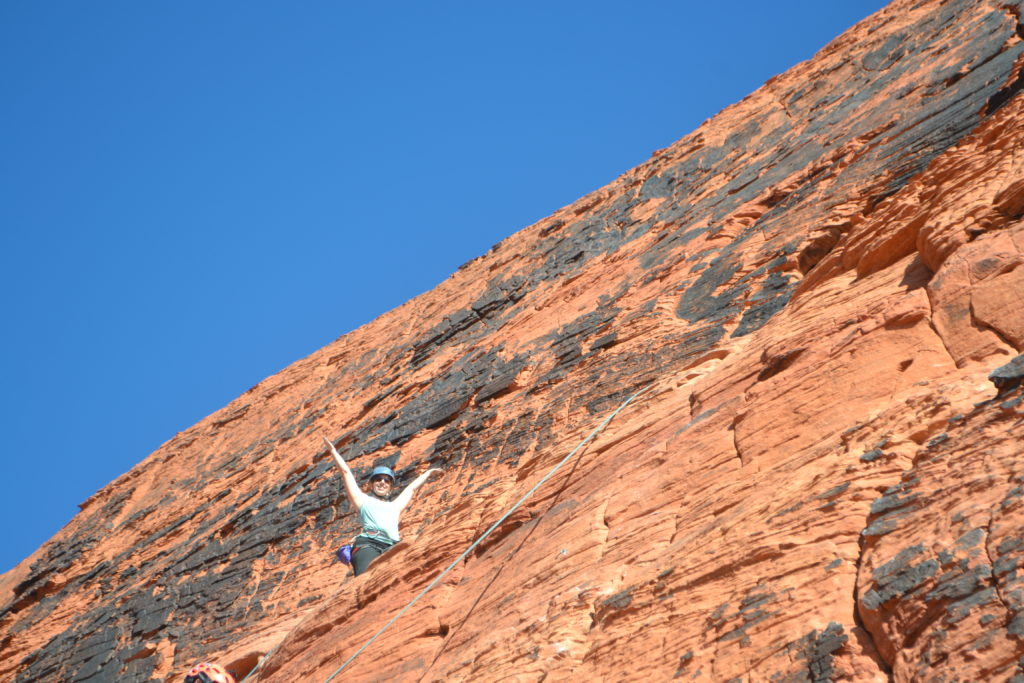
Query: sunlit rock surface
823, 482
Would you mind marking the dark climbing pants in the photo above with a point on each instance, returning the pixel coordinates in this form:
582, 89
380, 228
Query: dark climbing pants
365, 550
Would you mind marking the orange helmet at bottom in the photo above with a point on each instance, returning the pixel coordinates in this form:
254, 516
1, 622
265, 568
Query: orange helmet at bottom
208, 673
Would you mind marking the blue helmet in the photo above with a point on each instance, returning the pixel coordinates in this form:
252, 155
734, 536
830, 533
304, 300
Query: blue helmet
385, 470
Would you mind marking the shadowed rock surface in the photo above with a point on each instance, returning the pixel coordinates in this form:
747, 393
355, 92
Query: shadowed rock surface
823, 286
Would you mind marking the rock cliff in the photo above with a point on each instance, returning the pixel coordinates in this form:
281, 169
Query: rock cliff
823, 287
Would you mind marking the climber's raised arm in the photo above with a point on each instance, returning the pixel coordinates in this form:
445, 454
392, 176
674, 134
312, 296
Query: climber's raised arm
407, 493
355, 495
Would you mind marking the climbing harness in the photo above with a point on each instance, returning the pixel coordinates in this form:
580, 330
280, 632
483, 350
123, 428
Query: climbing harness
486, 533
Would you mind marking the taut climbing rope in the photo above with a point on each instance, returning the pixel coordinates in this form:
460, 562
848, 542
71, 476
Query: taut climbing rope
487, 533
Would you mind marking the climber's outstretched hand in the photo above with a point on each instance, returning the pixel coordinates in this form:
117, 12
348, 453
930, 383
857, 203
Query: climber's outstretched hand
351, 486
406, 495
330, 445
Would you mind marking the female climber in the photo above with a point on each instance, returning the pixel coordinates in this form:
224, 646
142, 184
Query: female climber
377, 511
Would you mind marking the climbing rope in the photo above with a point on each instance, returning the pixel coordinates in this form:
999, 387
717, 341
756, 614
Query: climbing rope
487, 533
260, 663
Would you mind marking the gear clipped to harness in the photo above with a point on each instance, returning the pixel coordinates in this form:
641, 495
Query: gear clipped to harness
208, 673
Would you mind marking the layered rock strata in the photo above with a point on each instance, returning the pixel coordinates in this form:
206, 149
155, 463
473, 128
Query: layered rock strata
823, 482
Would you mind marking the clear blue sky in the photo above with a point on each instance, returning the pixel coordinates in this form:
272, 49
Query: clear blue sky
194, 195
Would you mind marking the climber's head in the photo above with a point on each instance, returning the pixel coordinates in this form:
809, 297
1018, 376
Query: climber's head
208, 673
382, 480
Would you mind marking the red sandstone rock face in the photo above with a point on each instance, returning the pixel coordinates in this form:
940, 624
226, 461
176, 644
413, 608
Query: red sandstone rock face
822, 483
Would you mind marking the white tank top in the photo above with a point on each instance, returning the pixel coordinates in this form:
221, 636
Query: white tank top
381, 517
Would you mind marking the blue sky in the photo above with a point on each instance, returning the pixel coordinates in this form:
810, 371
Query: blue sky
195, 195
